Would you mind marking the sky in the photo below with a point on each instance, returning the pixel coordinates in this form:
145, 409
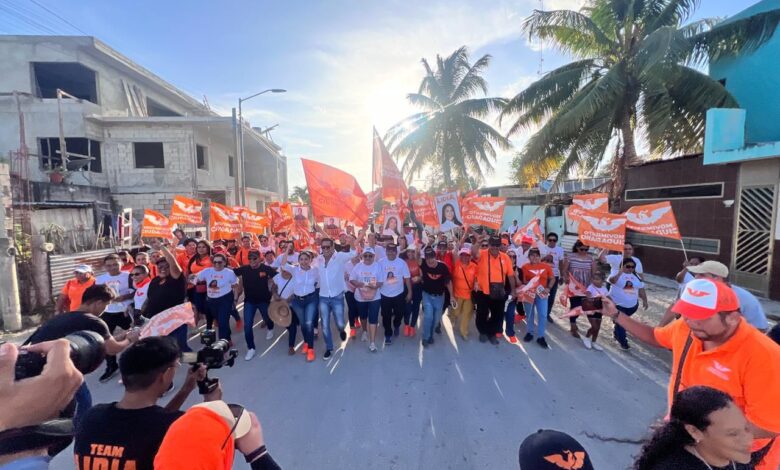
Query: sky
347, 64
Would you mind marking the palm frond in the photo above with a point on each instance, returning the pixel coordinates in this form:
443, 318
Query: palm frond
662, 13
472, 81
570, 31
734, 37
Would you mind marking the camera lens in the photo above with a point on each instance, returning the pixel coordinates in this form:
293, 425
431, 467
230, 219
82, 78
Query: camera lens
86, 350
221, 345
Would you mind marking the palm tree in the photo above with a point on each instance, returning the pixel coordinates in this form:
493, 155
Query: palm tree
300, 193
449, 136
635, 75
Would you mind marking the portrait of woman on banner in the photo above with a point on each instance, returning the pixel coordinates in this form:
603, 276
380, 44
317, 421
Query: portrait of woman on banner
392, 226
449, 217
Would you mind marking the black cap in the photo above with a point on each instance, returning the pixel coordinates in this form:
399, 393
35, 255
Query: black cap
553, 450
442, 243
391, 246
429, 253
494, 241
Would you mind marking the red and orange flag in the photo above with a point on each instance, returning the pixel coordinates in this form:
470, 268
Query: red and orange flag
155, 225
596, 202
335, 193
186, 211
424, 209
485, 211
654, 219
603, 230
224, 222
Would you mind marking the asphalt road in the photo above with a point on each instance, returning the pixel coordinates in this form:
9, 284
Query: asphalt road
457, 405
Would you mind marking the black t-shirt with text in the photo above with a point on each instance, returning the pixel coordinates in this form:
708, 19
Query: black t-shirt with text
66, 323
164, 295
255, 281
684, 460
434, 280
113, 438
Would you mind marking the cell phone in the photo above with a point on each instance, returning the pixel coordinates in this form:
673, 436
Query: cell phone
591, 304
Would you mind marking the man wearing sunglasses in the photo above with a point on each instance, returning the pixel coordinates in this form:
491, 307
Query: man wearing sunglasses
254, 281
553, 255
627, 288
332, 286
127, 433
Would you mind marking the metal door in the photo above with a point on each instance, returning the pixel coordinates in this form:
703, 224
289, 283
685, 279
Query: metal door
752, 255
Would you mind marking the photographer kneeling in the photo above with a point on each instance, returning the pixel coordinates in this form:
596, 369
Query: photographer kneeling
128, 433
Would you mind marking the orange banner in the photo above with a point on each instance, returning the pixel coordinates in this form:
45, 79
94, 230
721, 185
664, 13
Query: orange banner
654, 219
424, 209
168, 320
254, 222
155, 225
596, 202
485, 211
391, 180
224, 222
301, 217
603, 230
281, 215
186, 211
532, 229
335, 193
371, 199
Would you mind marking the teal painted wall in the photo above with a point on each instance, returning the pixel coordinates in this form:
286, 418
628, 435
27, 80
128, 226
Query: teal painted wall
754, 80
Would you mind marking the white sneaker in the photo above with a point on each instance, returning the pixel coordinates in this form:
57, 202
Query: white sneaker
364, 337
249, 355
372, 347
270, 334
597, 347
587, 342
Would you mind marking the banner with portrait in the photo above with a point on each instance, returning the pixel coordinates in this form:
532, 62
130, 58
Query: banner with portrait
448, 211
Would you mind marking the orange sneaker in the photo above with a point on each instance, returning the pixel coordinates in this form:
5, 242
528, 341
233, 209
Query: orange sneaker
310, 355
512, 339
412, 331
357, 323
305, 348
498, 335
518, 317
239, 325
353, 333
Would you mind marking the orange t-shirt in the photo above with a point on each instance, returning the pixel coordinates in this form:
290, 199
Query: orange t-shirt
184, 260
543, 270
495, 268
747, 367
73, 290
242, 256
463, 277
127, 267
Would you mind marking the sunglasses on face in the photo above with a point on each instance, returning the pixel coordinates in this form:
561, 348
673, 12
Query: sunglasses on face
136, 274
327, 247
552, 240
628, 266
218, 262
484, 246
368, 256
254, 257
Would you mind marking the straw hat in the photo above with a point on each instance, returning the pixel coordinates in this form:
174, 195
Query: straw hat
280, 313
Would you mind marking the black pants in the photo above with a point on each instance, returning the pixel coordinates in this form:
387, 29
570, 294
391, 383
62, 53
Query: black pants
352, 309
393, 309
490, 314
114, 320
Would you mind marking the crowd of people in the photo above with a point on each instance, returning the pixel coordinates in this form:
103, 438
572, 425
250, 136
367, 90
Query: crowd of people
722, 392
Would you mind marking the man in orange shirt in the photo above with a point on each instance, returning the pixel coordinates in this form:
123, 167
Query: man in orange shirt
493, 267
538, 306
713, 345
70, 297
242, 255
464, 274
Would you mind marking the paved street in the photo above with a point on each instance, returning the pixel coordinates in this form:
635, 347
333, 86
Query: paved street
457, 405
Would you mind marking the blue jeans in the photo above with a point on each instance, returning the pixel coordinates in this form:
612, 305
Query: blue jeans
328, 305
509, 318
432, 309
83, 402
551, 298
249, 319
537, 309
305, 309
620, 332
180, 335
369, 310
413, 307
221, 308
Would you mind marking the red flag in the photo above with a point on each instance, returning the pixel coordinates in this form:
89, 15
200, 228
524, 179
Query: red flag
392, 182
531, 229
186, 211
281, 215
335, 193
155, 225
424, 209
485, 211
168, 320
371, 199
654, 219
596, 202
527, 293
603, 230
224, 222
254, 222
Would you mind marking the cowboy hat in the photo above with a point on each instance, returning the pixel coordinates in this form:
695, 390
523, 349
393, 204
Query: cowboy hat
280, 313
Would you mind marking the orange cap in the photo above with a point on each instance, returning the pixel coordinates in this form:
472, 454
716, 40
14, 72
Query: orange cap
703, 298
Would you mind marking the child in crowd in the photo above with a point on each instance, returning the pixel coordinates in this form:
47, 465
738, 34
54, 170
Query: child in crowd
596, 288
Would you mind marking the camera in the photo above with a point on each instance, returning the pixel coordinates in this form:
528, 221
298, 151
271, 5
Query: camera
87, 351
214, 355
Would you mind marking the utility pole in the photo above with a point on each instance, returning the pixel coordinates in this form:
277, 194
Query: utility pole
9, 291
237, 165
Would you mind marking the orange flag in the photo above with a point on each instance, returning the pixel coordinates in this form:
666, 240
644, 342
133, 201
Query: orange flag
596, 202
301, 217
603, 230
281, 216
391, 181
186, 211
335, 193
654, 219
155, 225
254, 222
424, 209
485, 211
532, 229
371, 199
224, 222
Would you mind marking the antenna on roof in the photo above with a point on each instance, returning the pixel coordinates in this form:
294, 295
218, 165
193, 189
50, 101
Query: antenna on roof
206, 103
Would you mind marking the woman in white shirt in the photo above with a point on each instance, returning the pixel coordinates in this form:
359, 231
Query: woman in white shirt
141, 280
305, 299
221, 282
282, 289
366, 277
626, 289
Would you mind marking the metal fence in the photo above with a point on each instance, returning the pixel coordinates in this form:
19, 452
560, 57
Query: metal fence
61, 266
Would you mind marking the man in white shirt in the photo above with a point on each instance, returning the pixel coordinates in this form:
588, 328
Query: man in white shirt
616, 260
513, 228
553, 254
379, 250
116, 314
522, 252
332, 286
396, 278
292, 256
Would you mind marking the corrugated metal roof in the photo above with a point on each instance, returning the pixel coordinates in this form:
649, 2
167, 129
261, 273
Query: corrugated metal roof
55, 204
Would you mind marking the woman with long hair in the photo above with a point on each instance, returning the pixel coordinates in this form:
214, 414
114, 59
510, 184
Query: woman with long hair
581, 266
706, 431
197, 263
305, 299
221, 284
449, 219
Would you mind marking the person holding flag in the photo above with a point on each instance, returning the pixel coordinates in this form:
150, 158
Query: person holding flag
626, 288
538, 307
168, 289
580, 266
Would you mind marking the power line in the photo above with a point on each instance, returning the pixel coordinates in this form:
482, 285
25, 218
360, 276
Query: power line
60, 17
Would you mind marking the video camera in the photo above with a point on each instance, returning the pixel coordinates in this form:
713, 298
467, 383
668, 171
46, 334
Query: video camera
214, 355
87, 352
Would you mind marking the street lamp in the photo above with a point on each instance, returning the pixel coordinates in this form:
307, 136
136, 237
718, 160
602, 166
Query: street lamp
241, 189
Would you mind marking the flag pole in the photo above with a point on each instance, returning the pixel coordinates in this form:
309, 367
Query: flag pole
685, 254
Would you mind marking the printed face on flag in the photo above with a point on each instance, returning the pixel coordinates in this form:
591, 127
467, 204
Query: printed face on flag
155, 225
186, 211
448, 211
603, 230
654, 219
